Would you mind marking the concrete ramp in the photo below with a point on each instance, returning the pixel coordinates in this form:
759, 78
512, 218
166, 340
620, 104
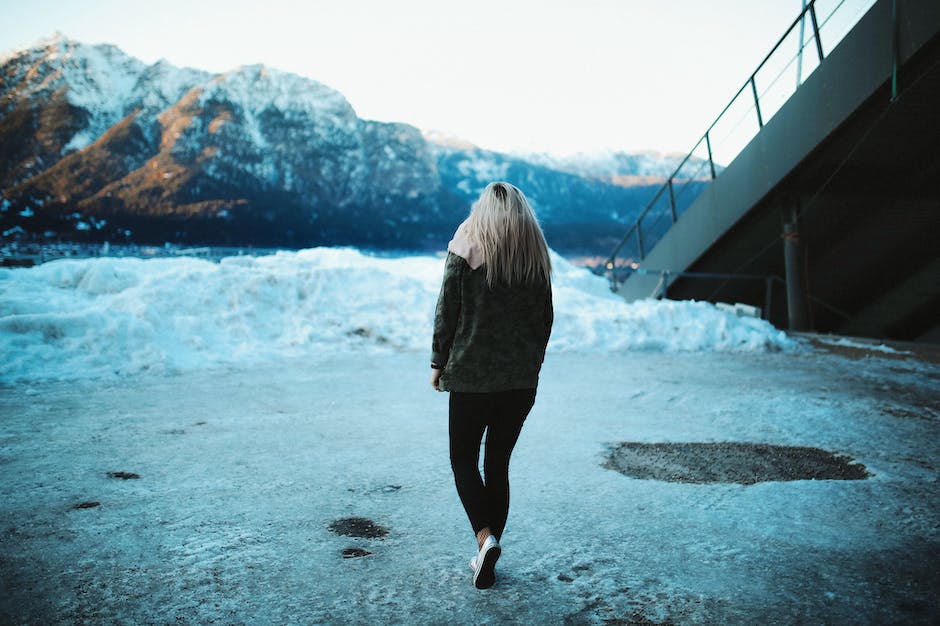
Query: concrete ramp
851, 159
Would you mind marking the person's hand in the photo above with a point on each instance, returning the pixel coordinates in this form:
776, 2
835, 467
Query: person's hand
436, 379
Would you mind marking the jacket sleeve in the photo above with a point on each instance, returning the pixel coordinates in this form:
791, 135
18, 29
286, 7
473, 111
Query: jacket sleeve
549, 314
549, 319
448, 310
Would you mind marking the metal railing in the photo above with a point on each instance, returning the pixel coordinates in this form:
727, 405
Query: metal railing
776, 78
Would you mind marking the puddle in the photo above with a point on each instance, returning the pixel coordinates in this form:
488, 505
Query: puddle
358, 527
354, 553
123, 475
730, 462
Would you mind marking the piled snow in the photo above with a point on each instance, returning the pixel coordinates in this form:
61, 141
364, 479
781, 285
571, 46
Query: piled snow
115, 316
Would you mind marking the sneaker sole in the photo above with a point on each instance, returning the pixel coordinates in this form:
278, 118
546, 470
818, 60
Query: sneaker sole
485, 575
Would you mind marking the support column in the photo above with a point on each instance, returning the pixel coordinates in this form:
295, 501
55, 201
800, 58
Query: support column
797, 296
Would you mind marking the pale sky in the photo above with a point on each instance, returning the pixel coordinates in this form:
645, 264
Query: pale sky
548, 75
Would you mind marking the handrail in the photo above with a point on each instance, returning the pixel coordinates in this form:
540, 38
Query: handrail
636, 229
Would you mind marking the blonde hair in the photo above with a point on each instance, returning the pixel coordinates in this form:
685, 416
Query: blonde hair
504, 226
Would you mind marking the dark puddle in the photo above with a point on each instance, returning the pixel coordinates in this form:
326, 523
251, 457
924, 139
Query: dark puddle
729, 462
86, 505
354, 553
123, 475
358, 527
366, 333
382, 489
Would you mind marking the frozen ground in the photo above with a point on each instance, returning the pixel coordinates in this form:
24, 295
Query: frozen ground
243, 468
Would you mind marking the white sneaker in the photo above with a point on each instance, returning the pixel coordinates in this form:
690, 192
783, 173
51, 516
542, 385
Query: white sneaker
473, 563
484, 572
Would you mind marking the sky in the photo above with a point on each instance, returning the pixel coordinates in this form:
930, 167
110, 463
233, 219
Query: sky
513, 75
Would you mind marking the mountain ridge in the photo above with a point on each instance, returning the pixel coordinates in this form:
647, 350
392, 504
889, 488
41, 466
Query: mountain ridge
256, 156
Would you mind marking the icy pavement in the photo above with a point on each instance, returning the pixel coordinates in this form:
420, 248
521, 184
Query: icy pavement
242, 472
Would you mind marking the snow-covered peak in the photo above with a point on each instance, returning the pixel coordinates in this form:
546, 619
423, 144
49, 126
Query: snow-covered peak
110, 84
257, 88
43, 44
441, 139
88, 70
98, 78
162, 84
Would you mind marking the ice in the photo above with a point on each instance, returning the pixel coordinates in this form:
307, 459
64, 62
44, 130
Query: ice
850, 343
106, 317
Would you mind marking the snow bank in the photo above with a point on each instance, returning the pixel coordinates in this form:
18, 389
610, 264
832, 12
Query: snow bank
115, 316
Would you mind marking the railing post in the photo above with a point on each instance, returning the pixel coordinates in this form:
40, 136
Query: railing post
639, 241
799, 48
672, 201
812, 16
711, 161
760, 119
611, 268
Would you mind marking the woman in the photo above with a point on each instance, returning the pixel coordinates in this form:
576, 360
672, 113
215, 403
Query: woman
492, 322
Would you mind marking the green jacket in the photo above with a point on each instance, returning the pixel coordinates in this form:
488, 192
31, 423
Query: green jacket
489, 339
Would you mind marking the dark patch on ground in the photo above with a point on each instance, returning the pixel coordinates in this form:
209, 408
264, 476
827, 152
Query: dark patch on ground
373, 490
86, 505
730, 462
861, 347
904, 413
366, 333
174, 431
354, 553
634, 620
358, 527
123, 475
920, 397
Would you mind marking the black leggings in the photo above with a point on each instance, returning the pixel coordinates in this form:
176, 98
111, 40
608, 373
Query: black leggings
501, 415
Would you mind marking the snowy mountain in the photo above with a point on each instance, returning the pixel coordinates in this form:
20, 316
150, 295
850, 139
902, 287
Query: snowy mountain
624, 168
94, 87
97, 145
576, 211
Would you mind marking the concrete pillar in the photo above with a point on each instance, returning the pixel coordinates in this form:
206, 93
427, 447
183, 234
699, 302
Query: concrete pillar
794, 264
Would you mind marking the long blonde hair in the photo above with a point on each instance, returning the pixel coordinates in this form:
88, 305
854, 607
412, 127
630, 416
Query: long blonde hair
504, 226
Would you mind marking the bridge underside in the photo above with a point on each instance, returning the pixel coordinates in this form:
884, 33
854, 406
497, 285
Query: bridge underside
868, 200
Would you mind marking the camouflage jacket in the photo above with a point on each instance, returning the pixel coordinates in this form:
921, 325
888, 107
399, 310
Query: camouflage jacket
489, 339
